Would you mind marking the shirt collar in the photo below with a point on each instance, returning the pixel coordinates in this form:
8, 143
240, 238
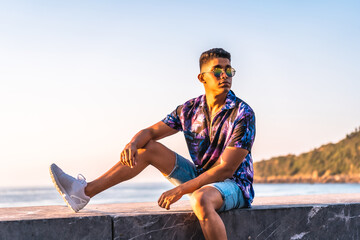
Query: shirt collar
230, 101
202, 101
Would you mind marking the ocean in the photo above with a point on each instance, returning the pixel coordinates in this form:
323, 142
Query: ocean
150, 192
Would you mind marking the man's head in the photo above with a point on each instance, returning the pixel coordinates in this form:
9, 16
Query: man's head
216, 71
213, 53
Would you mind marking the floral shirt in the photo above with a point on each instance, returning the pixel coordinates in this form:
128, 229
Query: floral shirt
232, 126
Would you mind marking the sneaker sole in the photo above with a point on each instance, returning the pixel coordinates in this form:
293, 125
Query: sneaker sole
62, 191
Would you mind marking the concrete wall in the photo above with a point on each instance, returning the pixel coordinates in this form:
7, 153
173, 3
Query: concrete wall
301, 217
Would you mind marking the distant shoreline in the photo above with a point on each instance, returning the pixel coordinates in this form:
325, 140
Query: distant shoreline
309, 179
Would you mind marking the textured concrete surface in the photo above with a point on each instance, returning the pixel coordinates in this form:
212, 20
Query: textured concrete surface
332, 216
340, 221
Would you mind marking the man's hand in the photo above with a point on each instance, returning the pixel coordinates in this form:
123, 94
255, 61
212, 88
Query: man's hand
169, 197
155, 132
128, 155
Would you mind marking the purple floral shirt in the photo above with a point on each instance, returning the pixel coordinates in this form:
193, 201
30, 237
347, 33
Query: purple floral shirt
232, 126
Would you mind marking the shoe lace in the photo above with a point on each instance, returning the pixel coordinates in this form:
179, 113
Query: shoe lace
81, 178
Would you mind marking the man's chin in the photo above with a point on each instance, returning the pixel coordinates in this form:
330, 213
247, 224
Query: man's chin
220, 90
225, 90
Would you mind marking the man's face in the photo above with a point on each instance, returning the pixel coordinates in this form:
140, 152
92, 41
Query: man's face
212, 83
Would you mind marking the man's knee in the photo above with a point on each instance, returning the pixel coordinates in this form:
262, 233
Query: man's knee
151, 146
149, 151
203, 201
198, 199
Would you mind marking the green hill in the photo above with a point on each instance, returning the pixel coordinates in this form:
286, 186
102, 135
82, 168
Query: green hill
339, 162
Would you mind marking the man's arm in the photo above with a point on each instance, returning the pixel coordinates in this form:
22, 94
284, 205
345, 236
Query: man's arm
224, 168
155, 132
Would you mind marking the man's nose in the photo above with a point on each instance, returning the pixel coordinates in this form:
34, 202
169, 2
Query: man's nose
223, 74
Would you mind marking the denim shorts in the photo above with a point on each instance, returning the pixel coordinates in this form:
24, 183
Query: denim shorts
185, 170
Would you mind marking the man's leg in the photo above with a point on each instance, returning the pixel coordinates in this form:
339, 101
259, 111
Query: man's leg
77, 192
205, 201
153, 153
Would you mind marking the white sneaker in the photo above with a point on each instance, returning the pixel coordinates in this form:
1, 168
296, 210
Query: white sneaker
72, 190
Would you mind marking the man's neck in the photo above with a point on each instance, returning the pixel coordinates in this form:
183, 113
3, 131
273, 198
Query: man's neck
215, 102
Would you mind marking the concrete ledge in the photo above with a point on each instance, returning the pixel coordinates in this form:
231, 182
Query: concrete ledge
331, 216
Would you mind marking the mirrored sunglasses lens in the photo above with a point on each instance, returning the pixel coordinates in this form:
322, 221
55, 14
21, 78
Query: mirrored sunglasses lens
228, 72
217, 72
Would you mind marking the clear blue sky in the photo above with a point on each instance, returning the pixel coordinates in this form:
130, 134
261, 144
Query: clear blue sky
79, 78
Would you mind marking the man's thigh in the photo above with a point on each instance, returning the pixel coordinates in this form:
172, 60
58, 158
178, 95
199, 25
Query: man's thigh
159, 156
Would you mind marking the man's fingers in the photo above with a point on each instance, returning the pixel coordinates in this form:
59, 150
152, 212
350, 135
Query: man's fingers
131, 159
122, 159
161, 200
163, 205
127, 158
167, 205
134, 155
169, 197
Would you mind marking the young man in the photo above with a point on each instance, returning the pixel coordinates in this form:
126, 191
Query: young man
219, 129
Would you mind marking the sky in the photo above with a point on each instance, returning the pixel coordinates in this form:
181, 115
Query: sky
79, 78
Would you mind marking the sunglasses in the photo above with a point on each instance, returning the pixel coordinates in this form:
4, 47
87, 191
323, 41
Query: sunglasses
229, 71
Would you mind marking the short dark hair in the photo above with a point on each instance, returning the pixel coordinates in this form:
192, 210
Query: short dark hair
213, 53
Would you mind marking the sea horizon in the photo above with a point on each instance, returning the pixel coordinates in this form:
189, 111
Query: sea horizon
150, 192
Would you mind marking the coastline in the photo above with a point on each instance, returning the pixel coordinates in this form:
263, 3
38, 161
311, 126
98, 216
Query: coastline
309, 179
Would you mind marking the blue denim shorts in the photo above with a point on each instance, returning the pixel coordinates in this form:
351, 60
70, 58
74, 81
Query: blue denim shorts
185, 170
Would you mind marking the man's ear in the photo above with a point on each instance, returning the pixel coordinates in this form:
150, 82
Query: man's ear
201, 78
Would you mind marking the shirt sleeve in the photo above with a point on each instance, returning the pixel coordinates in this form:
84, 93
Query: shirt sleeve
173, 119
243, 135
